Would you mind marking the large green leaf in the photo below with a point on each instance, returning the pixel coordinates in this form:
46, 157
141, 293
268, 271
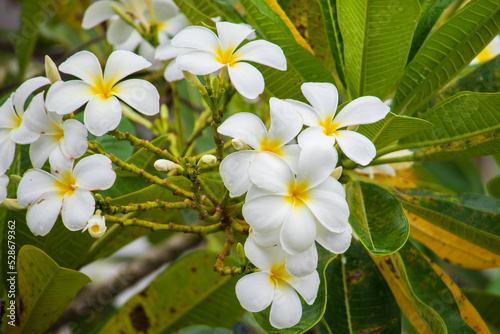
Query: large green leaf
187, 293
377, 38
486, 304
446, 52
392, 128
474, 217
431, 10
460, 117
377, 218
216, 8
45, 290
302, 66
311, 314
193, 14
359, 300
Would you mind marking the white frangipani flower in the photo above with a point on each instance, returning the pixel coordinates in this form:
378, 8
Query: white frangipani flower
96, 226
4, 182
274, 285
305, 207
489, 52
103, 111
12, 128
324, 125
165, 51
69, 136
67, 189
249, 129
212, 53
388, 169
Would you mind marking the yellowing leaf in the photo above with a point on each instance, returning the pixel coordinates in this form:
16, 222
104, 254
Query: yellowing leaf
450, 247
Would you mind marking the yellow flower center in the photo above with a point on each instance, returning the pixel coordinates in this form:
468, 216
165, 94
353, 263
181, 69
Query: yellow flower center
297, 193
226, 56
278, 274
486, 54
95, 228
103, 88
273, 146
329, 127
66, 184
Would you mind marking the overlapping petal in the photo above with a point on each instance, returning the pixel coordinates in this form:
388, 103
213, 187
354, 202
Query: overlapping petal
310, 116
66, 97
306, 286
38, 119
363, 110
263, 258
234, 172
7, 150
119, 31
94, 173
285, 122
140, 95
231, 35
315, 134
316, 163
83, 65
271, 172
198, 62
266, 213
302, 264
34, 185
25, 90
246, 127
102, 115
323, 97
330, 209
8, 116
4, 181
262, 52
23, 135
122, 63
43, 213
286, 309
74, 143
96, 13
195, 37
247, 80
77, 209
357, 147
298, 231
336, 243
255, 291
41, 149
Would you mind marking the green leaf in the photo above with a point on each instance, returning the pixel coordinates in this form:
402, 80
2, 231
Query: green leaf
460, 117
486, 303
216, 8
392, 128
377, 38
431, 11
474, 217
446, 52
311, 314
302, 66
493, 186
193, 14
359, 299
189, 292
376, 217
45, 290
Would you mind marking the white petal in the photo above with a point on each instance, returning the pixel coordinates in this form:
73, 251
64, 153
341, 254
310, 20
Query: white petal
264, 258
254, 192
94, 173
176, 24
234, 172
271, 172
255, 291
307, 286
172, 72
74, 144
298, 231
4, 182
39, 120
60, 164
66, 97
7, 150
310, 116
139, 94
77, 209
302, 264
262, 52
357, 147
23, 135
323, 97
164, 10
291, 154
8, 117
266, 213
198, 62
196, 37
83, 65
330, 209
25, 90
122, 63
98, 12
133, 40
285, 122
314, 135
231, 34
41, 149
246, 127
247, 80
118, 32
329, 186
42, 214
384, 169
35, 184
166, 51
336, 243
267, 239
102, 115
316, 163
286, 309
363, 110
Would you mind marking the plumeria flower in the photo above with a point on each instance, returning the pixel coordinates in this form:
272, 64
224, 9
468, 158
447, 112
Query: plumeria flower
388, 169
66, 190
304, 207
12, 128
325, 126
69, 136
274, 285
4, 182
103, 111
212, 53
165, 51
96, 226
248, 128
489, 52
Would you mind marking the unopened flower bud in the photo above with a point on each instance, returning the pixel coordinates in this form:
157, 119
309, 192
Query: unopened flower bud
209, 159
164, 165
51, 71
239, 145
96, 225
10, 204
193, 80
337, 173
241, 254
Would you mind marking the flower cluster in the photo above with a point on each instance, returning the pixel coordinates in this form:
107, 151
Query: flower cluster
292, 201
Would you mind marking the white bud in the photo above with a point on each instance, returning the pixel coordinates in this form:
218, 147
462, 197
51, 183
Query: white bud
209, 159
337, 173
96, 226
51, 71
239, 145
164, 165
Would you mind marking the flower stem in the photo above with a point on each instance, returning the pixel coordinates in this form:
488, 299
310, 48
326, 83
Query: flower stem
149, 206
178, 116
143, 143
201, 124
